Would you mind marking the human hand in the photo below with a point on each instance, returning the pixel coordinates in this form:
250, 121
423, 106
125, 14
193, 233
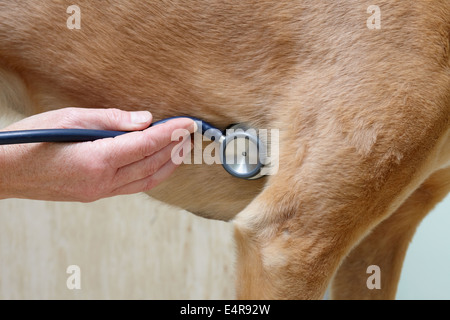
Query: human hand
88, 171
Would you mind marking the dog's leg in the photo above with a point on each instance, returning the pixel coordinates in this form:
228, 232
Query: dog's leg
386, 246
323, 201
14, 98
295, 253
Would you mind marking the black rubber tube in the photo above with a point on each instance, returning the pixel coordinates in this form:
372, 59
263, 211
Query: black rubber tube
55, 135
78, 135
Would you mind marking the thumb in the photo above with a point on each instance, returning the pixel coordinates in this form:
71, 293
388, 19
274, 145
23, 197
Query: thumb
115, 119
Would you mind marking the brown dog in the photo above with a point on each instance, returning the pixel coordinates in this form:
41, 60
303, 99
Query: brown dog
364, 116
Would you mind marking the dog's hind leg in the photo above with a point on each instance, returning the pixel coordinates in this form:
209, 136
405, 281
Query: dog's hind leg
327, 196
387, 244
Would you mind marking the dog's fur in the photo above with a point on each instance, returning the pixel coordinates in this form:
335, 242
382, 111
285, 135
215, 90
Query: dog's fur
364, 117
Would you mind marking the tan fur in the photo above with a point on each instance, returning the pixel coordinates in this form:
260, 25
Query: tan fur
386, 245
364, 115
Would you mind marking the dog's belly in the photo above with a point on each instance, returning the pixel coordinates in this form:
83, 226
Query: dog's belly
207, 191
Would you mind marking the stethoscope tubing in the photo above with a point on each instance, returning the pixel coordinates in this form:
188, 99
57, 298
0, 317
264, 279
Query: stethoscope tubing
55, 135
80, 135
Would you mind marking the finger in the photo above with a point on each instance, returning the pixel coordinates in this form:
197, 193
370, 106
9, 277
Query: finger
150, 165
108, 119
135, 146
149, 182
84, 118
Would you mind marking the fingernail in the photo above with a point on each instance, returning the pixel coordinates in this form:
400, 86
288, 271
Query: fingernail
193, 127
140, 117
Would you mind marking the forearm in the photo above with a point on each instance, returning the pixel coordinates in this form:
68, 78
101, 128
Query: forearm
6, 172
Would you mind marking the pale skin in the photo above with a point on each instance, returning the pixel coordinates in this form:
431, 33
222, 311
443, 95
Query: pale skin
88, 171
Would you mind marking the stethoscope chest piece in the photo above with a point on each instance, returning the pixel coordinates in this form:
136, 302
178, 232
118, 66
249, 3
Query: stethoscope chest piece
241, 152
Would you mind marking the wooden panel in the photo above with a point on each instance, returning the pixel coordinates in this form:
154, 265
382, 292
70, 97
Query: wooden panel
127, 247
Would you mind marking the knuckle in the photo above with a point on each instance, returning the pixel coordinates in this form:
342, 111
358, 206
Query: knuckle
69, 117
114, 116
152, 167
69, 110
146, 146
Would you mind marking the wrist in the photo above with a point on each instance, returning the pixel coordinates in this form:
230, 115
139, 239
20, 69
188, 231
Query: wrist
6, 178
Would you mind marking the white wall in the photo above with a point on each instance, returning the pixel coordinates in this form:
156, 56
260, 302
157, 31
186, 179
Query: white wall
426, 272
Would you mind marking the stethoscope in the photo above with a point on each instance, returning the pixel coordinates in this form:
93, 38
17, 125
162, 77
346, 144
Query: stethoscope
237, 144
